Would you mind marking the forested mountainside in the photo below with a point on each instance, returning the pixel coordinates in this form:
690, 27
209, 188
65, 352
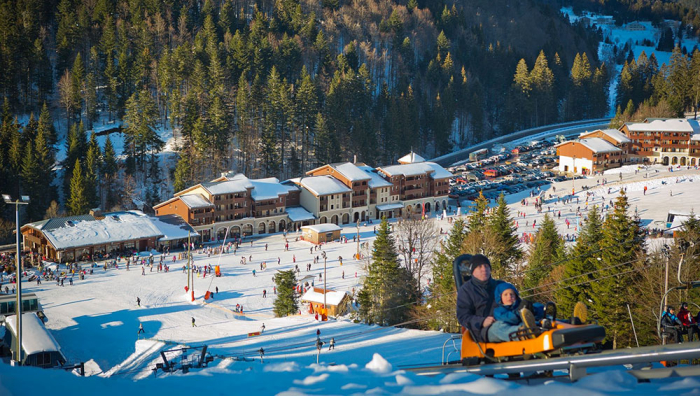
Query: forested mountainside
624, 11
273, 88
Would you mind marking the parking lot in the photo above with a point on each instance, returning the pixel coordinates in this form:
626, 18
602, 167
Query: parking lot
524, 167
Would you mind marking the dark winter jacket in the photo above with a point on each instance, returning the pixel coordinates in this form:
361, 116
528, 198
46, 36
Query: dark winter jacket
669, 319
507, 313
476, 302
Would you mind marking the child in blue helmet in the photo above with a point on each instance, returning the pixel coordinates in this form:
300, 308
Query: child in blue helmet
511, 314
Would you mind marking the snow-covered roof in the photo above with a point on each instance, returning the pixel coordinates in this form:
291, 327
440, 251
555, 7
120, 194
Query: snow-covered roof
115, 227
596, 145
58, 222
411, 158
666, 125
438, 171
297, 213
376, 181
616, 135
173, 227
321, 228
390, 206
195, 201
351, 171
323, 185
434, 170
35, 337
332, 297
270, 188
695, 137
239, 183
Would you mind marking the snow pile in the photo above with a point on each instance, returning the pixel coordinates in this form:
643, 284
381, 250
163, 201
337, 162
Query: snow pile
378, 365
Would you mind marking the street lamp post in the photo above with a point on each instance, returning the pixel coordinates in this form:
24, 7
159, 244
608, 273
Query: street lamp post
18, 271
357, 256
325, 307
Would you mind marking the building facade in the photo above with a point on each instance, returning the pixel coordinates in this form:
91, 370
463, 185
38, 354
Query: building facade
674, 141
341, 193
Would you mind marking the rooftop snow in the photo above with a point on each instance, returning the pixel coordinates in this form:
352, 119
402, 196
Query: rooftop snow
35, 337
332, 297
194, 201
234, 185
411, 158
376, 180
598, 145
666, 125
297, 213
434, 170
351, 171
613, 134
321, 228
173, 227
115, 227
270, 188
323, 185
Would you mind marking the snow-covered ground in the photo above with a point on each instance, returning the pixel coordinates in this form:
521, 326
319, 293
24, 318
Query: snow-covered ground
96, 320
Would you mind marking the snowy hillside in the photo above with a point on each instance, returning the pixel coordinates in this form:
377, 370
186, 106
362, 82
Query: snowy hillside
96, 321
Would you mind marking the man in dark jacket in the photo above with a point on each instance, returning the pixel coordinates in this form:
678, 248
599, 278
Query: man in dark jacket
672, 324
475, 299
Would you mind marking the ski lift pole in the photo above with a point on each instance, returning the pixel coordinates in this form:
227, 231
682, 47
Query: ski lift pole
633, 329
188, 261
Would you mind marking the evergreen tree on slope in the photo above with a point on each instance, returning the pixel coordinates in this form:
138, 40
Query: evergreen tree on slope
583, 262
621, 245
388, 288
443, 294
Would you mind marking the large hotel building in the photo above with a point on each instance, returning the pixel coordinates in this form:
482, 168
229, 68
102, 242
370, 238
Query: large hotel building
674, 141
340, 193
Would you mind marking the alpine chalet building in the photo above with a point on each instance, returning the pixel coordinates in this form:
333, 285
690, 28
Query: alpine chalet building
341, 193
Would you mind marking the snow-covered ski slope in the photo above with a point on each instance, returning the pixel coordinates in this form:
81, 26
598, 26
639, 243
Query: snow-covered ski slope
96, 321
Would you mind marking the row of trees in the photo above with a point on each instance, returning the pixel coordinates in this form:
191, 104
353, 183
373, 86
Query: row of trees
658, 91
607, 268
545, 95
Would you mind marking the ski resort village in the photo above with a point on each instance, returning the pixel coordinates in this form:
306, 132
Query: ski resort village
334, 197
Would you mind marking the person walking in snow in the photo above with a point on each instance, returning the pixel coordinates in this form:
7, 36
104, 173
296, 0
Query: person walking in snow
264, 293
262, 328
332, 344
141, 330
193, 324
217, 290
138, 301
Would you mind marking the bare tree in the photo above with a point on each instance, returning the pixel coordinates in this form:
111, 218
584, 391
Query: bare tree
417, 241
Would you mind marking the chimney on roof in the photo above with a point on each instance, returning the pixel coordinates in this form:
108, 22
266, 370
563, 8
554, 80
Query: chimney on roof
97, 213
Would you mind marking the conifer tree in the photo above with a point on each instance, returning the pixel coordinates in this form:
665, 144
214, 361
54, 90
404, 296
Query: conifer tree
77, 203
388, 288
182, 174
580, 267
621, 246
543, 254
443, 293
109, 173
508, 251
478, 218
45, 160
286, 302
92, 171
31, 182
